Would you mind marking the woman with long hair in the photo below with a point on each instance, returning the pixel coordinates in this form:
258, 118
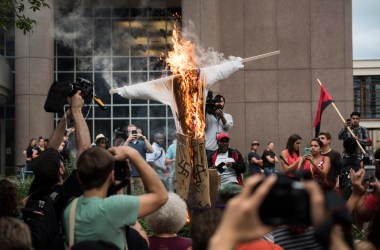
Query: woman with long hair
29, 153
290, 156
39, 148
315, 165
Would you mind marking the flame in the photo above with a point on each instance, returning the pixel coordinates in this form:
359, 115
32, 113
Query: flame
181, 61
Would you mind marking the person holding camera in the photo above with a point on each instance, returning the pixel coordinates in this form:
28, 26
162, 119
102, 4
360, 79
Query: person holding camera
94, 216
142, 146
242, 222
217, 122
360, 132
48, 179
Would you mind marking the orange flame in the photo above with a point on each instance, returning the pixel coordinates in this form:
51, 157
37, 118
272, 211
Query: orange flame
181, 60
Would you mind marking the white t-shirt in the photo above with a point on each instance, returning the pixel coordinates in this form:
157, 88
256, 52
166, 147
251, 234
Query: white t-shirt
229, 174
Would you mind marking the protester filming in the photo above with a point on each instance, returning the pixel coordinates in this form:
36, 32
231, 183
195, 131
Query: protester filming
313, 165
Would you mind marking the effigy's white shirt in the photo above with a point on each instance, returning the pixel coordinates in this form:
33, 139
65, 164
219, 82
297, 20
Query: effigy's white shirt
162, 90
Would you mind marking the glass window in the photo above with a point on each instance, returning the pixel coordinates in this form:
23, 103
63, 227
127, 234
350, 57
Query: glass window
122, 47
367, 96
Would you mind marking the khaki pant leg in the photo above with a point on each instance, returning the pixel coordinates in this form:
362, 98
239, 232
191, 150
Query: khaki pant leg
200, 187
183, 169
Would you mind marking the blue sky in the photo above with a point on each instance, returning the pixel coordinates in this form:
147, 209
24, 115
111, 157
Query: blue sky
366, 29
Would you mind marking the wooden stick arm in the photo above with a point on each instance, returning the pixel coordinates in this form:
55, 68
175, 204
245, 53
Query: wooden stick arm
252, 58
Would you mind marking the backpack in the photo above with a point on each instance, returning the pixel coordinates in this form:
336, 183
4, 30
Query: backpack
40, 216
344, 177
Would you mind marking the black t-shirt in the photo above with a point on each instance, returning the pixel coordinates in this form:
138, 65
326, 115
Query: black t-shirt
335, 157
253, 155
266, 163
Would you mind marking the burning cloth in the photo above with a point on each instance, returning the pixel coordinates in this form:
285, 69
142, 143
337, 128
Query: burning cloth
187, 105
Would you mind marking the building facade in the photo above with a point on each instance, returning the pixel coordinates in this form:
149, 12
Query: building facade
120, 43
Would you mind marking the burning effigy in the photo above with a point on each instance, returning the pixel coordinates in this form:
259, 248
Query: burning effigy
185, 92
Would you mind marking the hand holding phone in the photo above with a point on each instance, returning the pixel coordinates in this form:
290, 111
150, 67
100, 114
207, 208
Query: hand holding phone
221, 167
306, 151
369, 176
348, 122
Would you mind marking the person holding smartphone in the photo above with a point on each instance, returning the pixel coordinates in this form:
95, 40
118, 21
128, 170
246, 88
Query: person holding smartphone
313, 164
142, 146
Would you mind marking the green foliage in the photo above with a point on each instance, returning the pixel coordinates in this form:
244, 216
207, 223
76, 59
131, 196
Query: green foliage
13, 12
69, 164
358, 233
22, 186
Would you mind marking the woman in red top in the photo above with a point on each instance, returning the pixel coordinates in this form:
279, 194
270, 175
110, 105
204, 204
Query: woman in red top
314, 164
290, 156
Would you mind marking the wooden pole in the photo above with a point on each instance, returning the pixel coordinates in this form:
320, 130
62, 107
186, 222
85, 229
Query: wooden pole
252, 58
344, 121
248, 59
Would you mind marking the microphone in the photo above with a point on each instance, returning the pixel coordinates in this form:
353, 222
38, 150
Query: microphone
99, 102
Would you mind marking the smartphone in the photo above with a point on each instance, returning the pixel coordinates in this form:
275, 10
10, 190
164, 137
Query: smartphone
287, 203
370, 173
221, 167
306, 151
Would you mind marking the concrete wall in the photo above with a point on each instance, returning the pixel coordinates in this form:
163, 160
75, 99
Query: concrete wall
275, 97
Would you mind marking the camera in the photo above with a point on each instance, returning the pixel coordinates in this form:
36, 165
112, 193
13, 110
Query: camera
59, 91
287, 203
134, 132
211, 105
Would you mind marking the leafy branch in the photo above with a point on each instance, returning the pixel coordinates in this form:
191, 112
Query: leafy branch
12, 11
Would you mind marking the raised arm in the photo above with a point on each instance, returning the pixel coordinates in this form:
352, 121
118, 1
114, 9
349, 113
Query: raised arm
58, 133
288, 168
156, 194
149, 90
222, 71
82, 134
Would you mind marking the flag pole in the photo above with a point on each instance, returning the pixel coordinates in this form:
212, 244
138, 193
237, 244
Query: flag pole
344, 121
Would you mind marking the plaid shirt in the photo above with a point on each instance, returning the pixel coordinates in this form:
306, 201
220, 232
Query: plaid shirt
361, 133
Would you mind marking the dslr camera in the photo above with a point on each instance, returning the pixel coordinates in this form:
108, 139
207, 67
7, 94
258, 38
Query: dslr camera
211, 105
59, 91
287, 203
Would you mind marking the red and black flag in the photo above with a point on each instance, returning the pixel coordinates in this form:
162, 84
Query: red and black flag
324, 100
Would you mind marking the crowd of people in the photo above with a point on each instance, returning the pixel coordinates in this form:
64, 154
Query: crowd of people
91, 209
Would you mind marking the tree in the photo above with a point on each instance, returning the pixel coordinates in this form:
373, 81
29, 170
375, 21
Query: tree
12, 11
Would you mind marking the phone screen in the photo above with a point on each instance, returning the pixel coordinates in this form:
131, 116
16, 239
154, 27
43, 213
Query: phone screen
306, 151
370, 172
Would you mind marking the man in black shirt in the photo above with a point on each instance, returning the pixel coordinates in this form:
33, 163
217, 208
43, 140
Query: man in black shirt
334, 156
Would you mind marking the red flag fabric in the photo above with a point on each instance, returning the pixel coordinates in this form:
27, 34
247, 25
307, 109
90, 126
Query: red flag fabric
324, 100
